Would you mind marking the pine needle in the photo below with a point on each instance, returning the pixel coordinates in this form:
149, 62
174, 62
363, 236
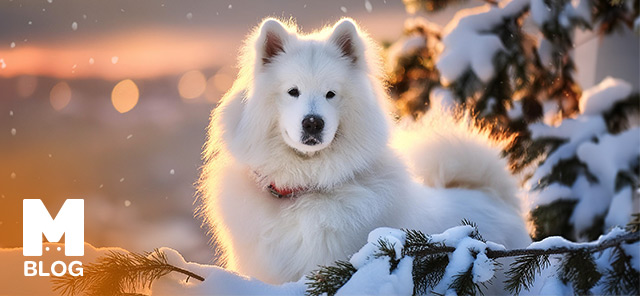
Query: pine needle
119, 274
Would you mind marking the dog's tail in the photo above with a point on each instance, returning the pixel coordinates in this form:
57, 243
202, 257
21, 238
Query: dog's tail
448, 150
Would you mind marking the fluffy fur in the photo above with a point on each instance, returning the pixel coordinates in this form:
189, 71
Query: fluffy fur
356, 179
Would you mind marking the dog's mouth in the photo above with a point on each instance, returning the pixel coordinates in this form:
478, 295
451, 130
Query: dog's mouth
311, 140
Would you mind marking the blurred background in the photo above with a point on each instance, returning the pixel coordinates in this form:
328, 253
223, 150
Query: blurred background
109, 101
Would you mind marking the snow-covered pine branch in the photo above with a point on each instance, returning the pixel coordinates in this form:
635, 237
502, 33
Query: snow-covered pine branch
459, 261
588, 181
394, 262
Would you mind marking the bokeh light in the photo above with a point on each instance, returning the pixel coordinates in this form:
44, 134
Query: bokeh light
60, 95
192, 84
224, 79
26, 85
125, 95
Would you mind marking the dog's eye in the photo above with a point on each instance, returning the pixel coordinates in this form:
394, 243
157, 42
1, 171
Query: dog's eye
330, 94
294, 92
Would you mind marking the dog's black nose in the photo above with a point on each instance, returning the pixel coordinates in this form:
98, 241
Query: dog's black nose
312, 124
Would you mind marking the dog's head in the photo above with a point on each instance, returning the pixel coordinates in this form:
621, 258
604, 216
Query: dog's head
316, 96
310, 80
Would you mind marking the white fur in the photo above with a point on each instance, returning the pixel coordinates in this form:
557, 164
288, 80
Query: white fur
356, 180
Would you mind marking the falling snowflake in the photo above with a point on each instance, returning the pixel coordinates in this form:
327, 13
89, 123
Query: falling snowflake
50, 1
10, 112
121, 180
84, 16
129, 136
344, 9
230, 6
30, 22
189, 15
127, 203
172, 172
114, 60
50, 155
13, 44
13, 131
74, 26
91, 61
13, 175
2, 64
368, 6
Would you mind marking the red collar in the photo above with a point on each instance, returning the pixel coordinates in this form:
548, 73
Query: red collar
284, 192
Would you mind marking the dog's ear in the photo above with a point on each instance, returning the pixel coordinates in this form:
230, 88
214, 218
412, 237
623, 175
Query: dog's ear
271, 41
345, 35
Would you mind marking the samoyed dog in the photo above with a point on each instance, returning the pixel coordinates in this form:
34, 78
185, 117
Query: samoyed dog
303, 159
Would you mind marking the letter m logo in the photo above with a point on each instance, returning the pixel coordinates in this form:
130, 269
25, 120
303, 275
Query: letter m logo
37, 221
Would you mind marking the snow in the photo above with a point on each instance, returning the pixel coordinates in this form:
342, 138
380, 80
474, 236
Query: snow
189, 16
552, 193
2, 64
545, 51
218, 281
13, 131
74, 26
442, 99
620, 209
515, 111
127, 203
602, 97
367, 253
470, 26
483, 268
114, 60
593, 203
13, 44
374, 279
460, 261
540, 12
452, 236
368, 6
172, 172
343, 9
611, 154
576, 131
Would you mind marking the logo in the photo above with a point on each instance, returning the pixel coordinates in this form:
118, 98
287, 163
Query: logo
68, 222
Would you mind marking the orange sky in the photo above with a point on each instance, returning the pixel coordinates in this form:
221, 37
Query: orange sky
133, 54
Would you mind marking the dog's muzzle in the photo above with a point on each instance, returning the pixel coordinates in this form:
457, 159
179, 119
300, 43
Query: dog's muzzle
312, 127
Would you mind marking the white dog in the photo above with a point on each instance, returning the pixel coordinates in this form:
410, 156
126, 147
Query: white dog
300, 166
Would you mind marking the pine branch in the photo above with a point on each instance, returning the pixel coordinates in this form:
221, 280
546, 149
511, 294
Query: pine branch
428, 271
621, 279
627, 238
432, 258
117, 273
579, 269
463, 283
329, 279
523, 270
